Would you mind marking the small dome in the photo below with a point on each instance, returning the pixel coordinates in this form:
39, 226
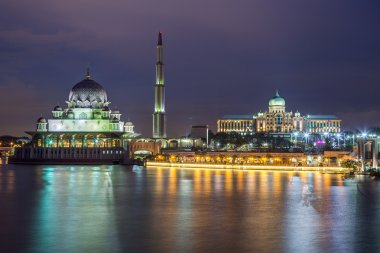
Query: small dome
70, 113
57, 108
128, 123
41, 120
116, 112
277, 100
115, 120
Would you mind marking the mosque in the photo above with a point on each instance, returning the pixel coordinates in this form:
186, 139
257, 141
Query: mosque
278, 120
86, 130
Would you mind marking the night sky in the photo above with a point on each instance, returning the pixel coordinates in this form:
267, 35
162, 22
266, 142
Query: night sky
221, 57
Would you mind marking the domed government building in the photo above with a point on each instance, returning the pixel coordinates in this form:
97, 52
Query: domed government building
278, 120
87, 130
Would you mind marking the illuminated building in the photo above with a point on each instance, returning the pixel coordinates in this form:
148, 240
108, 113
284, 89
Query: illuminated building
199, 132
86, 129
159, 116
322, 124
243, 124
278, 120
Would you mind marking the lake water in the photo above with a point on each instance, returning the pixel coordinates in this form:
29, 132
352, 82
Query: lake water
133, 209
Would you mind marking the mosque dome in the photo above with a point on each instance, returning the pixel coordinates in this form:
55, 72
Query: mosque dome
88, 94
57, 108
115, 120
70, 114
41, 120
277, 100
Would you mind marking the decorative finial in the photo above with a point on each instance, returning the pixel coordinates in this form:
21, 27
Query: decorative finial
159, 42
88, 72
277, 95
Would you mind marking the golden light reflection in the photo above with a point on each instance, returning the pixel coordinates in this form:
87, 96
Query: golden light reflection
264, 190
277, 183
228, 181
207, 181
173, 181
251, 181
198, 181
240, 180
340, 182
159, 180
327, 181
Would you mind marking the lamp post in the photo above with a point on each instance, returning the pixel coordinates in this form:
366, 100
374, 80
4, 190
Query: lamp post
338, 137
295, 139
306, 135
363, 137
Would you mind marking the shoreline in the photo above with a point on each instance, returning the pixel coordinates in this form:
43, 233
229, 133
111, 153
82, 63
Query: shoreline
332, 170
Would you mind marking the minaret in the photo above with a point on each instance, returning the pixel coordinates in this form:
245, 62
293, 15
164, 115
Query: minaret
159, 116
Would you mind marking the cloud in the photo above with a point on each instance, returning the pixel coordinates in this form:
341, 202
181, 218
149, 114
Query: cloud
221, 56
19, 108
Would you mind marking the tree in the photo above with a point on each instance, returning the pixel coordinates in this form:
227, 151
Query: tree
351, 164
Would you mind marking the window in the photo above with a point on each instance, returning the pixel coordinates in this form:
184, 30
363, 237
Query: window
278, 119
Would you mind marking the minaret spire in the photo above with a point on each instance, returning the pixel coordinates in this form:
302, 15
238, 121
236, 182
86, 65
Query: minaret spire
159, 116
159, 42
88, 72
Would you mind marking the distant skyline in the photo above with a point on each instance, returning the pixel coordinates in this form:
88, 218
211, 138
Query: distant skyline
221, 57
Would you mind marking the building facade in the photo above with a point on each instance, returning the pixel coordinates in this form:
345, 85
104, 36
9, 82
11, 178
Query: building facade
277, 120
86, 129
244, 124
322, 124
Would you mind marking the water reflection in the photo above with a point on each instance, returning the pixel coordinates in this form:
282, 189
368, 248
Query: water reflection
74, 200
121, 209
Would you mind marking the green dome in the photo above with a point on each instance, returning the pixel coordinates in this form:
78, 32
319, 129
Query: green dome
277, 100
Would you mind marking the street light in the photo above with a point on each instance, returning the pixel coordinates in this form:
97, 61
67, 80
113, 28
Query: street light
295, 138
338, 137
306, 135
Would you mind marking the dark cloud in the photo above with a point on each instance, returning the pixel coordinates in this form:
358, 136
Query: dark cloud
222, 57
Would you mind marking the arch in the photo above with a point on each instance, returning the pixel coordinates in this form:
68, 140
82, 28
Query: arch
83, 115
143, 152
136, 147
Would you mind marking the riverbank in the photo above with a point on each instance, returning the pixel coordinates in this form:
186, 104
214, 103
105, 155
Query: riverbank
339, 170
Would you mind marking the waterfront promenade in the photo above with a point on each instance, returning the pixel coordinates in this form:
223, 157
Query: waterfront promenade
329, 169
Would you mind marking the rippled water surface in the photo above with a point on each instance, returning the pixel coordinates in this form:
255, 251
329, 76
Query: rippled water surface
125, 209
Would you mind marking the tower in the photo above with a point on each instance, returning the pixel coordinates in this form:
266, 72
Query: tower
159, 116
